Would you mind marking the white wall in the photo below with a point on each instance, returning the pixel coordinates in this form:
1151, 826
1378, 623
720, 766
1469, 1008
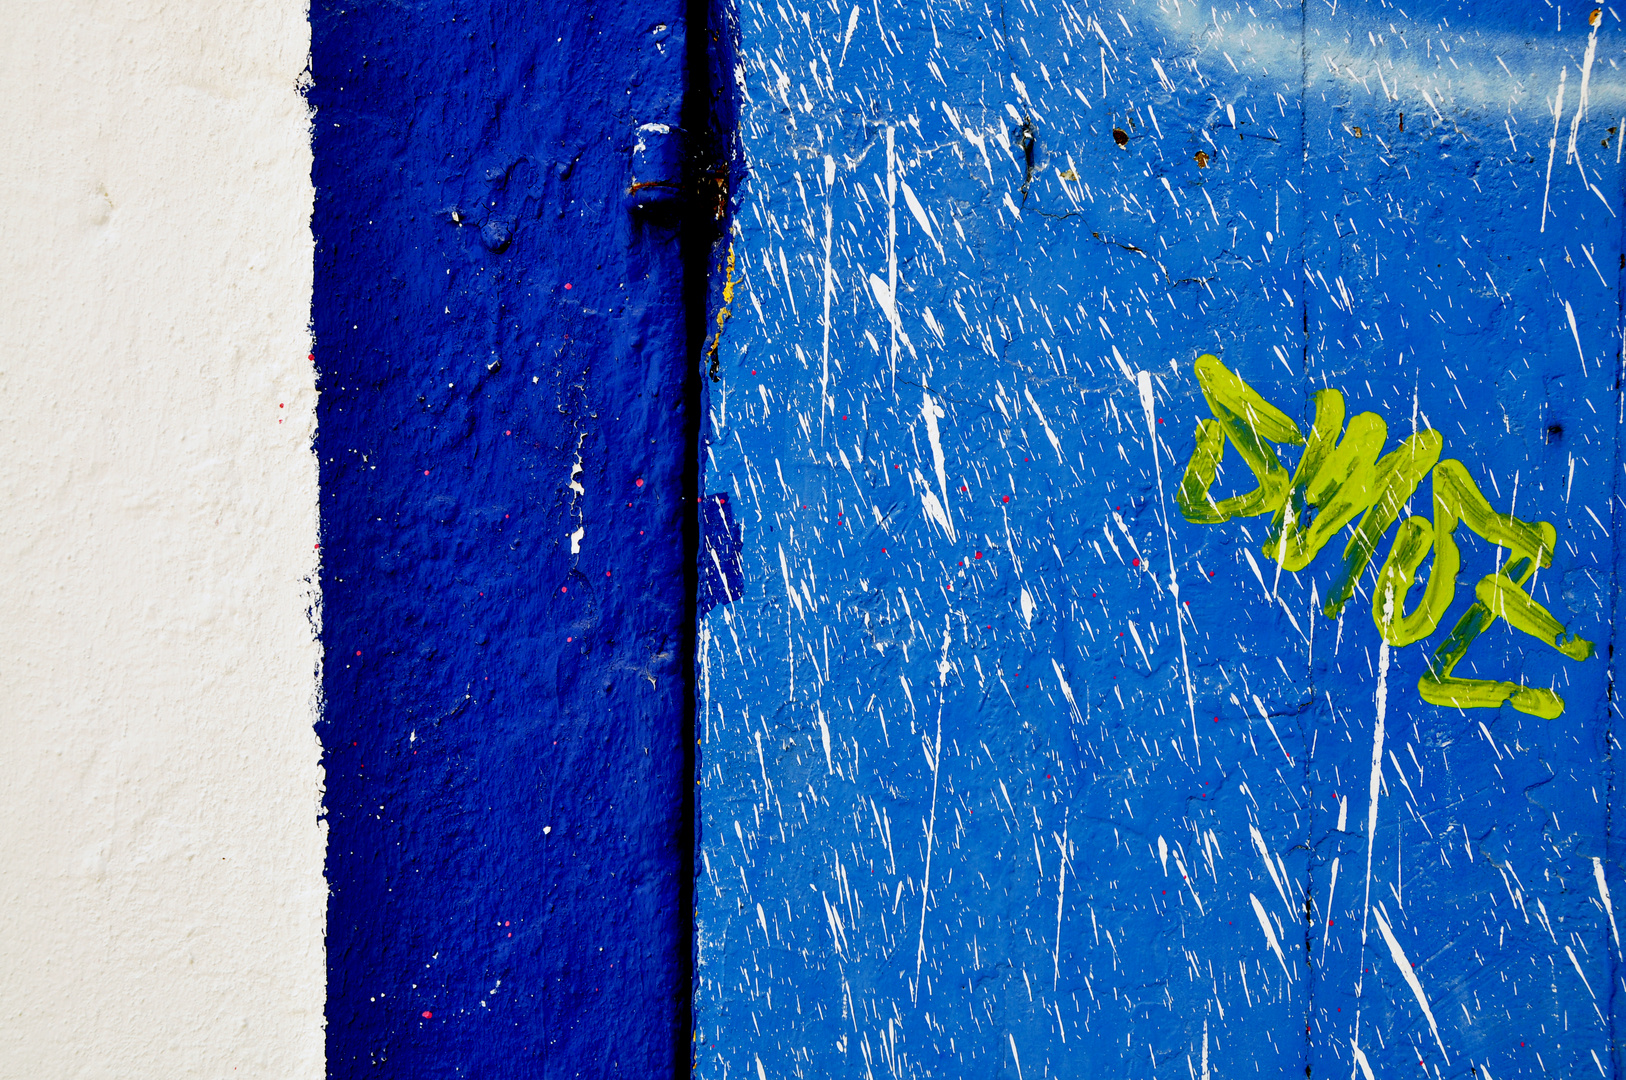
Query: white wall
161, 891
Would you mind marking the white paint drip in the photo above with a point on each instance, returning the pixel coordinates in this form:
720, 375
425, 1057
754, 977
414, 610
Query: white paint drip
891, 240
943, 668
1066, 690
1149, 405
884, 297
852, 24
1366, 1066
934, 508
1586, 88
790, 589
1270, 934
1603, 892
1191, 886
1332, 889
1569, 313
1134, 632
1061, 893
1375, 782
1055, 443
931, 412
1552, 146
1398, 955
826, 402
1570, 952
790, 291
919, 213
1270, 867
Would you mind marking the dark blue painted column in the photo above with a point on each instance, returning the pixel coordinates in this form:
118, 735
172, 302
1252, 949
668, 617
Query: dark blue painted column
506, 599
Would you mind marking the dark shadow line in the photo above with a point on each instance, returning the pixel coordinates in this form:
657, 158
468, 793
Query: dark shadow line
708, 131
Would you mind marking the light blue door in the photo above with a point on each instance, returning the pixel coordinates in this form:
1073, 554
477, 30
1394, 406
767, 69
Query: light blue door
1171, 466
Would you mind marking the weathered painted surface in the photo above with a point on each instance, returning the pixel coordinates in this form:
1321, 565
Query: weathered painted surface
161, 894
500, 336
1025, 751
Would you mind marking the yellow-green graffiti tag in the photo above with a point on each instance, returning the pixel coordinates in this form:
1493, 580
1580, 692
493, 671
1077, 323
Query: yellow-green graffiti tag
1340, 477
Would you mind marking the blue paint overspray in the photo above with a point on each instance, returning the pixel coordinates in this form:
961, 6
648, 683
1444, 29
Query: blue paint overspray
1020, 756
505, 446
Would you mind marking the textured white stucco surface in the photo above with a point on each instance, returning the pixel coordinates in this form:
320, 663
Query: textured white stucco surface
161, 890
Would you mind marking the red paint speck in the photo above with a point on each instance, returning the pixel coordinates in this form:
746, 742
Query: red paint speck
979, 554
1134, 562
567, 284
280, 405
639, 482
426, 472
564, 588
427, 1015
508, 433
1007, 498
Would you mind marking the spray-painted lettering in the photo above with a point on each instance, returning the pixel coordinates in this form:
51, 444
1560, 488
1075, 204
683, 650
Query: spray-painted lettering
1339, 477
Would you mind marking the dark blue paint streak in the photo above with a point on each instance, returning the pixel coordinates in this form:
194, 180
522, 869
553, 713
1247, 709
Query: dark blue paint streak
721, 577
503, 721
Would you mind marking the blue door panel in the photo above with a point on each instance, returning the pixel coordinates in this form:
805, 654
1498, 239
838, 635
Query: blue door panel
1033, 741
